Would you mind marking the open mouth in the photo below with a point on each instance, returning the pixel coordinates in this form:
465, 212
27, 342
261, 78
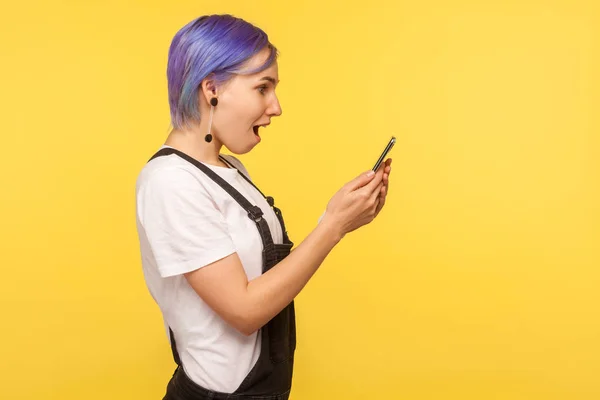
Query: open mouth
255, 128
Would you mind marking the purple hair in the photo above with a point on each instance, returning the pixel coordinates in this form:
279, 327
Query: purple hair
210, 44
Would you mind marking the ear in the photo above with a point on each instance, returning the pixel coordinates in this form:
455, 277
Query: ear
208, 88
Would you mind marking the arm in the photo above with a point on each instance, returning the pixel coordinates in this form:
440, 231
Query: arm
247, 306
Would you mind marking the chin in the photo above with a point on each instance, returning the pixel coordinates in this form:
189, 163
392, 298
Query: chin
237, 146
240, 148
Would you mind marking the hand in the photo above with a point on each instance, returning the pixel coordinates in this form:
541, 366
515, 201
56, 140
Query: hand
357, 202
387, 169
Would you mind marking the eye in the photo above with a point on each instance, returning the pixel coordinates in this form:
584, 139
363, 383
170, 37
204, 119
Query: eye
262, 89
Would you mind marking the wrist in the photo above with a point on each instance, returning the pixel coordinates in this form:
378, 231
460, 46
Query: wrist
330, 229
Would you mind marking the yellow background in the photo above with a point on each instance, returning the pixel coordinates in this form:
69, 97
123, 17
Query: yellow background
480, 280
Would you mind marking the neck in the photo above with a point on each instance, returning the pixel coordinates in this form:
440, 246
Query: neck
191, 141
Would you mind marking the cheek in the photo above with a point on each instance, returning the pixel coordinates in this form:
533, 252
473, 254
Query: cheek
257, 106
241, 111
234, 118
249, 111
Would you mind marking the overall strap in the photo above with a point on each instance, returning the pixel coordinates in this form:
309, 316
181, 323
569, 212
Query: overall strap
269, 199
254, 212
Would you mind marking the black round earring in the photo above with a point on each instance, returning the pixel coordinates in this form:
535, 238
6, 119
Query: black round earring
213, 102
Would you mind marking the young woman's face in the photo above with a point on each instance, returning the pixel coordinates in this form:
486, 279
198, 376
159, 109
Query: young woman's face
246, 104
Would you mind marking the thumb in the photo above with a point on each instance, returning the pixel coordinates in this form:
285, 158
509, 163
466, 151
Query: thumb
360, 180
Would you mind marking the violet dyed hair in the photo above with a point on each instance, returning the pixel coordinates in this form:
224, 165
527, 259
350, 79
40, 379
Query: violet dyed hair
216, 45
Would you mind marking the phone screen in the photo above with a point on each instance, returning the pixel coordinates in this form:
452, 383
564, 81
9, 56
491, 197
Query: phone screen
385, 152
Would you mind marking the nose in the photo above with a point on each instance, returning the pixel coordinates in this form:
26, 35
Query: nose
274, 109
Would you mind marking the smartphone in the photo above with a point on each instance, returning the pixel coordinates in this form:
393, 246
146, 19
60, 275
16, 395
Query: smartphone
385, 152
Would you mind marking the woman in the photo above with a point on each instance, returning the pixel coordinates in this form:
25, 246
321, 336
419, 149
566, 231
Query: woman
215, 252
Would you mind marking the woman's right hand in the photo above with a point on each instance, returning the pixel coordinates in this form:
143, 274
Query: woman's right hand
356, 203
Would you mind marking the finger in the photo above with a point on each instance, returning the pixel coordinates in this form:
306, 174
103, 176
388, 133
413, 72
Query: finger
360, 180
388, 165
372, 185
375, 194
383, 195
380, 204
387, 169
387, 188
383, 192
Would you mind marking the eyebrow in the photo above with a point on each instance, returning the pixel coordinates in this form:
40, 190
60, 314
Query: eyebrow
270, 79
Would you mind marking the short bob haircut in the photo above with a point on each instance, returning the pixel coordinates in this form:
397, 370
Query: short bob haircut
211, 45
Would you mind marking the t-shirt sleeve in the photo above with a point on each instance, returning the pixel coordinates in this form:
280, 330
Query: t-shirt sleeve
184, 227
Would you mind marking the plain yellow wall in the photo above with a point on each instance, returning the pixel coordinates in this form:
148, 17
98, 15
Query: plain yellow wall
480, 280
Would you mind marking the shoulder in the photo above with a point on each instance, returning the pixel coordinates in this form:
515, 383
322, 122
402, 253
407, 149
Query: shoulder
172, 195
168, 172
172, 183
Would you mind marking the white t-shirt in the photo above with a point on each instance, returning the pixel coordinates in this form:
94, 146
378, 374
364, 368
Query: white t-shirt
186, 221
